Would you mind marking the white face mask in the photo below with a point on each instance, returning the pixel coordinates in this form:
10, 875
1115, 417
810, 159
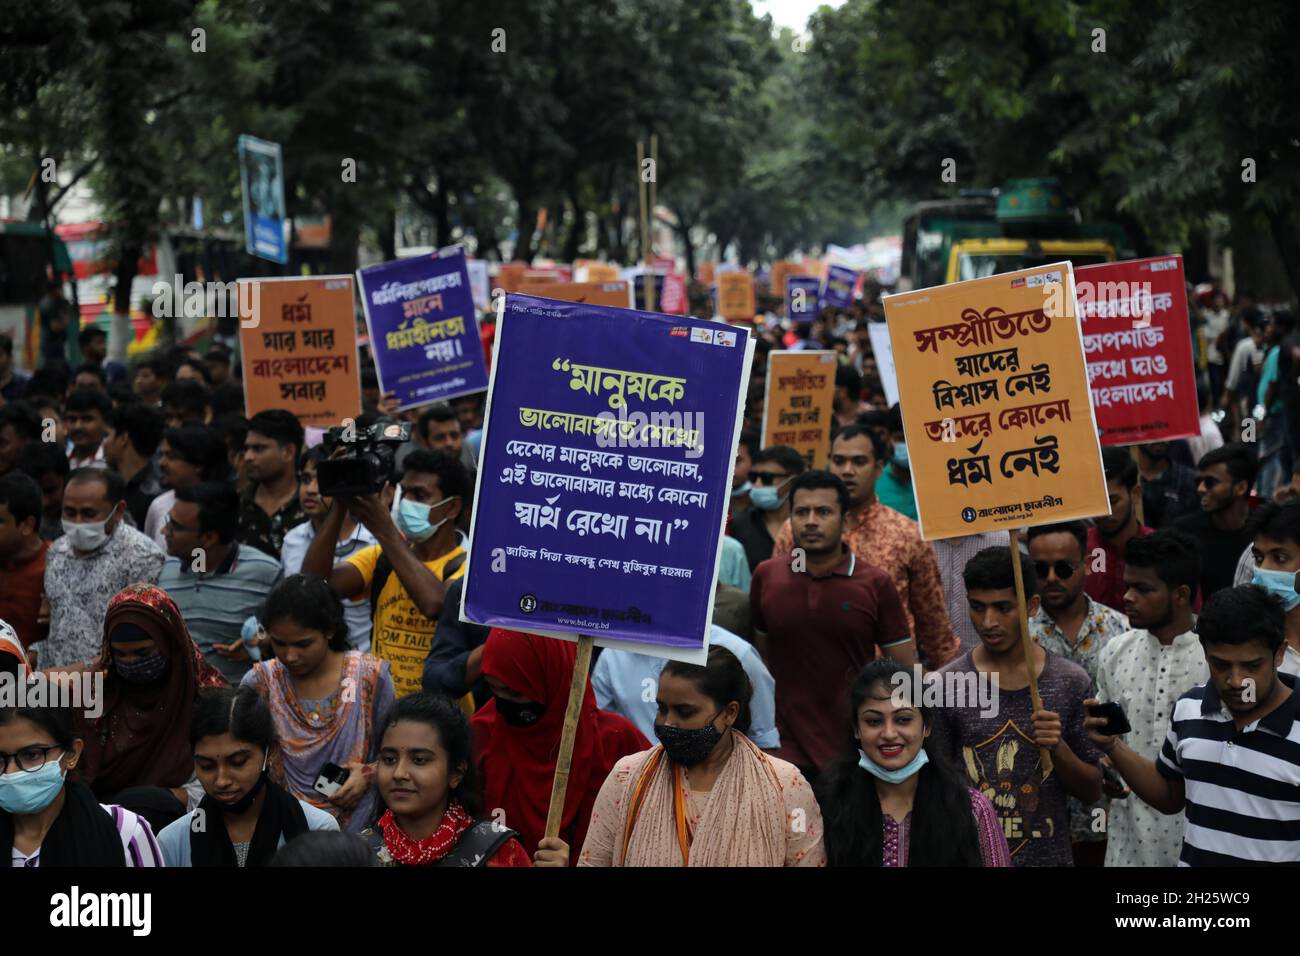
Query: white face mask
89, 536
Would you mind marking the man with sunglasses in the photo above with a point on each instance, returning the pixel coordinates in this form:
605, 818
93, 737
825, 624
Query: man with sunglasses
771, 473
1071, 624
1225, 478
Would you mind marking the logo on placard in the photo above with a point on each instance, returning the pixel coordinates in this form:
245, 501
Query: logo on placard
724, 338
968, 515
1018, 283
528, 603
679, 331
702, 335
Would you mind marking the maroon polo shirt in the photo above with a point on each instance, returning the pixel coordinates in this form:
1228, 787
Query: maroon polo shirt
821, 632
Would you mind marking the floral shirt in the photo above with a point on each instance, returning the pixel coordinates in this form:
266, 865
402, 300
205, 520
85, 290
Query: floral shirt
892, 542
1100, 624
1146, 678
79, 588
266, 532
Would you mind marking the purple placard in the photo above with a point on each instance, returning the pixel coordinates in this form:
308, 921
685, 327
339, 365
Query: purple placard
580, 526
802, 298
423, 327
838, 291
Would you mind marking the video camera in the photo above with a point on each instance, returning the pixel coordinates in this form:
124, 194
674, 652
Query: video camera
366, 465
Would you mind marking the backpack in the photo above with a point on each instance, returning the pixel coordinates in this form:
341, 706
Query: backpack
384, 570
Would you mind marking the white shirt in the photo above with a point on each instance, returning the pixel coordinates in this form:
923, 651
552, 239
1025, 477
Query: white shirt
1209, 439
156, 518
1146, 678
1291, 662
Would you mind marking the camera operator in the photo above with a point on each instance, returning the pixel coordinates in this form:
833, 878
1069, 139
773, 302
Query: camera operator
405, 574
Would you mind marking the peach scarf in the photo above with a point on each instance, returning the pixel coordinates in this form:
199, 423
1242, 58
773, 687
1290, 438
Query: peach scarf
743, 823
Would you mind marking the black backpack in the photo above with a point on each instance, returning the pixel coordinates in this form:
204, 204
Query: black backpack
384, 570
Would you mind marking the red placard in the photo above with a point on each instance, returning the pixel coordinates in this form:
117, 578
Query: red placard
1137, 343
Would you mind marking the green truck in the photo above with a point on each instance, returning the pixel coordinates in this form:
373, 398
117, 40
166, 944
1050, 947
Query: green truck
1026, 223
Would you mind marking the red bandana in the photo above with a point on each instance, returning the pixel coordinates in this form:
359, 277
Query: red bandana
432, 848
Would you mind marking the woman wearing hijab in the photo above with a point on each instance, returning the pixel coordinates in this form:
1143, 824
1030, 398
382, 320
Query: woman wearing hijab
45, 818
152, 674
328, 702
517, 737
892, 798
246, 816
706, 796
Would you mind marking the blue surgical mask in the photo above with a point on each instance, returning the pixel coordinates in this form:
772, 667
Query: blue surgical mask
413, 519
894, 776
24, 793
900, 454
765, 497
1279, 583
145, 670
744, 489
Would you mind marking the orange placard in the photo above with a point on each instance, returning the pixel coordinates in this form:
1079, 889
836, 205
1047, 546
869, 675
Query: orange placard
797, 403
601, 272
705, 272
780, 269
593, 293
298, 342
510, 275
736, 295
995, 401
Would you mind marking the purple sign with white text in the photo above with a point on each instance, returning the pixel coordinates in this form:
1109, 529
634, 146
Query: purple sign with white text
838, 291
605, 473
423, 327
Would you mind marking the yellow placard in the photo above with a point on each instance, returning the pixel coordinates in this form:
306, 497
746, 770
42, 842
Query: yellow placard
298, 342
736, 295
995, 401
797, 403
780, 269
593, 293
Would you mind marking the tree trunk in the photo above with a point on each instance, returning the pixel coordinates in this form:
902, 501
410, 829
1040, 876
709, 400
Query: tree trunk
388, 234
573, 243
524, 222
345, 231
441, 218
119, 333
1288, 247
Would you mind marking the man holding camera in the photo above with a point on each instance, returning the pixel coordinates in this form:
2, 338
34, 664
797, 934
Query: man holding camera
406, 573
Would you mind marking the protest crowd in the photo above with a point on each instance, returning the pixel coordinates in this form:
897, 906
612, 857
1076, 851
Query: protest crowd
286, 678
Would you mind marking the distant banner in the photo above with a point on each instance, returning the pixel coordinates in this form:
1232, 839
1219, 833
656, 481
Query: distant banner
802, 298
618, 294
1138, 343
736, 295
423, 328
797, 403
261, 173
883, 351
509, 275
995, 402
479, 284
298, 346
838, 290
605, 475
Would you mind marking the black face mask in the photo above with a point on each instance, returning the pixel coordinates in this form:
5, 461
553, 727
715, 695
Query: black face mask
519, 715
688, 747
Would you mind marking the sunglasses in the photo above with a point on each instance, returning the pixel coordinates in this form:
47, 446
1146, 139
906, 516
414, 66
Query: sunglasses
1064, 569
766, 478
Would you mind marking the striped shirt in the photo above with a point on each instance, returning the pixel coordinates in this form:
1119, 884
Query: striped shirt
141, 849
1242, 786
216, 605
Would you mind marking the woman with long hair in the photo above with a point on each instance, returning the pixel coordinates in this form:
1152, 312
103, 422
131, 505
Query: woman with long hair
47, 819
428, 786
244, 816
517, 737
327, 702
706, 796
892, 798
153, 672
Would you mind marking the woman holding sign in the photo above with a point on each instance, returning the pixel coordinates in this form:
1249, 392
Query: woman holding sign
892, 798
706, 796
517, 737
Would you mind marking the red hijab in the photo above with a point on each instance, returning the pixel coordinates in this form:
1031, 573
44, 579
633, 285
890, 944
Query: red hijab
518, 763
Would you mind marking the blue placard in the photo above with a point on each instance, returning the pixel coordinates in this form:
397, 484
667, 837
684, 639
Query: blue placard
802, 298
423, 327
261, 172
605, 474
838, 290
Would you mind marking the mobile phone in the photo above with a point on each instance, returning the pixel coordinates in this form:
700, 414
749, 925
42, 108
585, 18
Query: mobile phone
330, 779
1116, 722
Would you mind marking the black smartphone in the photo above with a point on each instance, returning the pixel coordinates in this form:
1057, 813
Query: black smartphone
1116, 722
330, 779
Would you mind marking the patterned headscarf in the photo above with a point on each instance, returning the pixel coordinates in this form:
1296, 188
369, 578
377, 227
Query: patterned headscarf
9, 644
142, 737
